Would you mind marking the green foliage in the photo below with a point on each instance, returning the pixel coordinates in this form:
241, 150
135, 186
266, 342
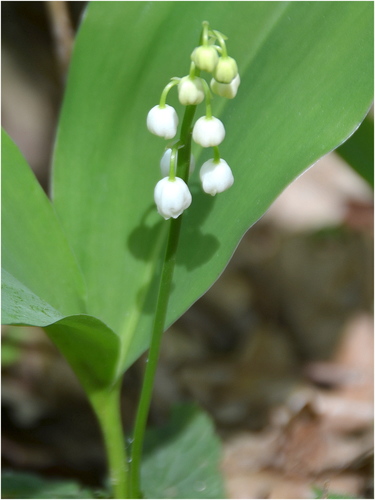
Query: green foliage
182, 458
358, 150
182, 461
324, 494
11, 344
41, 282
9, 355
24, 485
86, 267
41, 276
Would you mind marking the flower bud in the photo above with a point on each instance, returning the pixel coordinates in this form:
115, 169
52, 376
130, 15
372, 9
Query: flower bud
165, 163
205, 58
208, 132
216, 177
162, 121
190, 91
228, 90
225, 70
172, 197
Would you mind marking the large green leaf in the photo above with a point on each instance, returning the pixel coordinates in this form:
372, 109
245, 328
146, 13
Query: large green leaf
41, 282
306, 83
182, 459
35, 251
306, 71
25, 485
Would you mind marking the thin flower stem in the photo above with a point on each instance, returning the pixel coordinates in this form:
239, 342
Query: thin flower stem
207, 93
192, 72
161, 311
172, 165
167, 88
107, 407
204, 36
221, 41
216, 154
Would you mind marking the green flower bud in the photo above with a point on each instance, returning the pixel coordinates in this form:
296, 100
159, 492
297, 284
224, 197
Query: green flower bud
225, 70
205, 58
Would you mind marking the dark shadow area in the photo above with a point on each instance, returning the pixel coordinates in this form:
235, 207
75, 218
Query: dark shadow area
195, 247
143, 238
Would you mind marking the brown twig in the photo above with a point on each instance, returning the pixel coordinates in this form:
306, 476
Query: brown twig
63, 34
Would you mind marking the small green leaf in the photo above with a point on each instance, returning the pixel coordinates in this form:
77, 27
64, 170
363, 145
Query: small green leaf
25, 485
10, 354
319, 493
182, 458
13, 341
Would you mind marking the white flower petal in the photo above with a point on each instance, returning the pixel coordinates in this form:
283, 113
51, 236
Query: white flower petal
216, 177
190, 91
162, 121
228, 90
172, 197
208, 132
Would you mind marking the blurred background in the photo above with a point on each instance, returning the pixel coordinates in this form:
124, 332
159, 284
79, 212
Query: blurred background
279, 351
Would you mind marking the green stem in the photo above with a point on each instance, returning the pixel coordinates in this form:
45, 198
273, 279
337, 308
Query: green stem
172, 165
161, 311
204, 35
192, 71
107, 407
216, 154
167, 88
207, 93
221, 41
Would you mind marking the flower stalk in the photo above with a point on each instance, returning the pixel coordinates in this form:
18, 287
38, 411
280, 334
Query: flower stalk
161, 311
172, 195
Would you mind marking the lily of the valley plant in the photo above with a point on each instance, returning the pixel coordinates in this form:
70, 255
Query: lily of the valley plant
172, 195
94, 265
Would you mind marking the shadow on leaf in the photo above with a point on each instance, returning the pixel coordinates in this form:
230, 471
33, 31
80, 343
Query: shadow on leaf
148, 240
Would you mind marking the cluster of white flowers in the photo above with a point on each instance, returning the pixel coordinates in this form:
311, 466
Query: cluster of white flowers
172, 195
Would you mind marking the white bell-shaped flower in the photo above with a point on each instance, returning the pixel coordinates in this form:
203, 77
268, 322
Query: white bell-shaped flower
190, 91
228, 90
172, 197
162, 121
165, 163
208, 132
216, 177
205, 58
226, 69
